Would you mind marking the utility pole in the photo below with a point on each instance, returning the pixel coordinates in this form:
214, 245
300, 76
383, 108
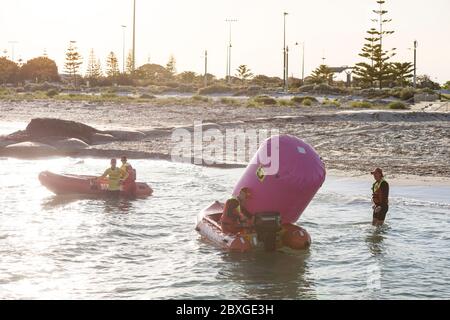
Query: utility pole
230, 21
123, 49
415, 64
287, 69
303, 65
303, 61
206, 68
12, 43
284, 51
134, 36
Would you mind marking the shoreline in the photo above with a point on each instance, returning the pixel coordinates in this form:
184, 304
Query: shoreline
349, 141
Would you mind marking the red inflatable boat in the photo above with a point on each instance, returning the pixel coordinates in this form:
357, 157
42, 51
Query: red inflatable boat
268, 233
89, 185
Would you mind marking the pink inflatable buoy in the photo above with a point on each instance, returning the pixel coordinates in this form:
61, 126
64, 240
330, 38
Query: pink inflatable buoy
283, 176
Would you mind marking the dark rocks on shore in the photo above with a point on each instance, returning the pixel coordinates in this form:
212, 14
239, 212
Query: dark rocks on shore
45, 137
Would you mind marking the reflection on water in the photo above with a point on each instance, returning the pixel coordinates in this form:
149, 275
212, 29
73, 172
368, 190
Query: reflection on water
375, 240
262, 275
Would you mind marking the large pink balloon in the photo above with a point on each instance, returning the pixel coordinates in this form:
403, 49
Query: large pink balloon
288, 190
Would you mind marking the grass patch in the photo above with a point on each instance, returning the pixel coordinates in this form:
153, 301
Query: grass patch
397, 106
285, 103
331, 103
265, 101
200, 98
215, 89
361, 104
230, 101
300, 100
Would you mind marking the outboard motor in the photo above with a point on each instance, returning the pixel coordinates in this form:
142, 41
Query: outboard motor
267, 226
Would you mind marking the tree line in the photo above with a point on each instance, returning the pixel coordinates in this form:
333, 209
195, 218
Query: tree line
377, 70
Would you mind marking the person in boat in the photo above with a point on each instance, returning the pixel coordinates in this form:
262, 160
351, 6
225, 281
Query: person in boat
235, 216
115, 177
380, 197
129, 184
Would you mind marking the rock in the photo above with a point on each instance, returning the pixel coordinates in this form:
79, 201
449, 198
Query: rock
70, 144
126, 135
44, 127
29, 150
100, 138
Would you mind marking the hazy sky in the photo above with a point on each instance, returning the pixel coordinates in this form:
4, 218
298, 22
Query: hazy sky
185, 28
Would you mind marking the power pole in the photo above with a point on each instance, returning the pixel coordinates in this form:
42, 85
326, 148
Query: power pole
206, 68
415, 64
230, 21
284, 50
123, 49
303, 65
134, 36
12, 43
287, 69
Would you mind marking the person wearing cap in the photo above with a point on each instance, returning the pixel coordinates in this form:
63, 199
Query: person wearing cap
380, 197
235, 216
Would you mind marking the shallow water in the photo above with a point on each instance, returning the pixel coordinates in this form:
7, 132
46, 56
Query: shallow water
70, 248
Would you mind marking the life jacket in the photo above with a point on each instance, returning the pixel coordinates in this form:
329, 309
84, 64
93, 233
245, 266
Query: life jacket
377, 195
131, 172
234, 218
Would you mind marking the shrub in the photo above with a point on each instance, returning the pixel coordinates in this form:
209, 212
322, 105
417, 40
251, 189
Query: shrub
331, 103
299, 100
147, 96
361, 104
285, 103
407, 93
109, 95
265, 100
397, 105
52, 92
200, 98
215, 89
230, 101
307, 102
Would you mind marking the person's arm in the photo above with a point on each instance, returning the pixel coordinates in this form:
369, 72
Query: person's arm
124, 174
105, 174
246, 213
384, 193
230, 206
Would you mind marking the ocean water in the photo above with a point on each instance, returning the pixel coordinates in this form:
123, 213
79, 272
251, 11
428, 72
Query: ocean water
54, 247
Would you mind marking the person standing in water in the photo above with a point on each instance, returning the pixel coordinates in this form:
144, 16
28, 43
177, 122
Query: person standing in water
115, 177
380, 197
235, 216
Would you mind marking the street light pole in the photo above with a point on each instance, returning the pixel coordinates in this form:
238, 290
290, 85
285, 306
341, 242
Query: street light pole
284, 51
287, 69
303, 65
206, 68
415, 64
123, 49
134, 36
12, 43
230, 21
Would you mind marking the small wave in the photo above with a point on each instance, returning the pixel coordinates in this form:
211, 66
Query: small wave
407, 202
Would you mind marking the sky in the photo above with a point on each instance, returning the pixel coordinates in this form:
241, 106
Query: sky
331, 29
